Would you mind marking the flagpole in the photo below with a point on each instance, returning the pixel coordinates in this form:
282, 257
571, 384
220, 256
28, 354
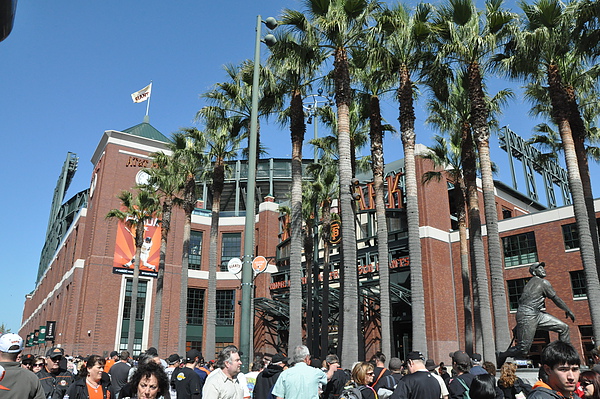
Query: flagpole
146, 117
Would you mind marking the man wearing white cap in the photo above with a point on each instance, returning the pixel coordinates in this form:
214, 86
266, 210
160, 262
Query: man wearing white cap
19, 383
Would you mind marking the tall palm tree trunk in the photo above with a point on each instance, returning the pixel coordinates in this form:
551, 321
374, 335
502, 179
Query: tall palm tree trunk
377, 165
188, 207
211, 310
479, 122
483, 316
139, 240
165, 227
560, 112
326, 235
311, 321
350, 305
579, 134
464, 263
407, 128
297, 128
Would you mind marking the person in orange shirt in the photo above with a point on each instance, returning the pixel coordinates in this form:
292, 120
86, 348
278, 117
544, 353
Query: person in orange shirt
90, 384
112, 359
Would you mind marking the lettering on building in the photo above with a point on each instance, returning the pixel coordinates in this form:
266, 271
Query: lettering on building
335, 274
393, 197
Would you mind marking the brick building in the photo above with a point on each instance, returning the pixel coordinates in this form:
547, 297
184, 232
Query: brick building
83, 284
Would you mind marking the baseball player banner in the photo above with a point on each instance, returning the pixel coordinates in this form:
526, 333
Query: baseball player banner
124, 258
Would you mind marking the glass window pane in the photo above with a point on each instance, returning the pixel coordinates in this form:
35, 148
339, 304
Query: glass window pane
570, 236
195, 255
230, 248
225, 307
515, 289
520, 249
578, 284
195, 306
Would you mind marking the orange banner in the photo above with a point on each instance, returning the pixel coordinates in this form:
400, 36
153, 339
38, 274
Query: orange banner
125, 250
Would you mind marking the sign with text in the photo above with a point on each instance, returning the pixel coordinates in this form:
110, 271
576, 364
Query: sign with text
50, 330
335, 274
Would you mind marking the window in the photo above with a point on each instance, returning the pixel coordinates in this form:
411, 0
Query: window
195, 306
520, 249
141, 308
225, 307
230, 248
506, 213
570, 236
141, 302
195, 258
515, 289
578, 284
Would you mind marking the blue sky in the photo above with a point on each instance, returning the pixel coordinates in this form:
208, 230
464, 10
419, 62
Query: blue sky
66, 74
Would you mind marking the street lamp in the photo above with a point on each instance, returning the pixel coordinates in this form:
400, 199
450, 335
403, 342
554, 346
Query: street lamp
311, 104
247, 316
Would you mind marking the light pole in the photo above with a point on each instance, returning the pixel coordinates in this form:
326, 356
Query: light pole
247, 316
311, 104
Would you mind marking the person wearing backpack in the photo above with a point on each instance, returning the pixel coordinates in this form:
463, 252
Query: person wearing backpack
461, 363
379, 370
419, 383
362, 375
390, 381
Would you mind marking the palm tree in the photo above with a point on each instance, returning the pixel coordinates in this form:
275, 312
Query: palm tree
450, 113
232, 99
580, 84
407, 37
540, 51
469, 38
220, 146
325, 184
188, 149
167, 180
295, 60
136, 211
338, 25
371, 68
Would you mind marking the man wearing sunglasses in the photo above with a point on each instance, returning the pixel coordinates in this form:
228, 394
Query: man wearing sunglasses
55, 379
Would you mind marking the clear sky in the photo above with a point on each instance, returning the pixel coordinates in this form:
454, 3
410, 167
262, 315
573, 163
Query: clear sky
66, 74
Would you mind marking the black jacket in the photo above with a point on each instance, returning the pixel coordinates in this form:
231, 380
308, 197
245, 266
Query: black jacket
265, 381
79, 390
55, 385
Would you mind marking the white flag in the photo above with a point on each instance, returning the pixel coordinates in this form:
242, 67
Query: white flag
142, 95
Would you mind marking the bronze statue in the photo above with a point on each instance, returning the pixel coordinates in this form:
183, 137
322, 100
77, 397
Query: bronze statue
531, 317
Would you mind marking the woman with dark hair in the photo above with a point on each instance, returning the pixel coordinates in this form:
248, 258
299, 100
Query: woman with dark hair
38, 364
483, 387
362, 375
149, 382
90, 384
510, 384
590, 383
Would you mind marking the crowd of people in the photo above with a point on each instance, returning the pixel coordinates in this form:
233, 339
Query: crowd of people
299, 376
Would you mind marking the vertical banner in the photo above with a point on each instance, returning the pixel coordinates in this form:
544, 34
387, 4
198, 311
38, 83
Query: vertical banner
123, 260
36, 334
42, 336
50, 330
27, 344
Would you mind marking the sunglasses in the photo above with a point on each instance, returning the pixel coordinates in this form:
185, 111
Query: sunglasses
585, 383
39, 365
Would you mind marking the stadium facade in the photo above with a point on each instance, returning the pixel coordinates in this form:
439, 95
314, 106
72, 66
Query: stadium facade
83, 285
